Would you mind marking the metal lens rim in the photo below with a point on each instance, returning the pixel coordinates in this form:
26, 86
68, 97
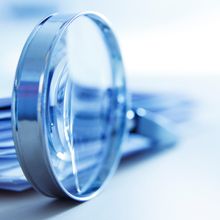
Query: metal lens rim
29, 96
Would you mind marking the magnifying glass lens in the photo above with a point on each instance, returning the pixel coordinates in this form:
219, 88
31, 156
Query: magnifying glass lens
82, 106
71, 76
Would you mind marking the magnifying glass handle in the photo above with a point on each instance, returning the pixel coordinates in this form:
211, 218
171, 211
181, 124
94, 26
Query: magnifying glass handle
158, 129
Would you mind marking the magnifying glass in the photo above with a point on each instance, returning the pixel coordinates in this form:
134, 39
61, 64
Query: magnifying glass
69, 106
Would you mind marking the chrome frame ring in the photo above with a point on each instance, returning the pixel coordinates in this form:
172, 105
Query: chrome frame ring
30, 98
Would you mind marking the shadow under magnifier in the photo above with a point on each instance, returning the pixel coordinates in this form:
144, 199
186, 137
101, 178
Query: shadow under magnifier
33, 204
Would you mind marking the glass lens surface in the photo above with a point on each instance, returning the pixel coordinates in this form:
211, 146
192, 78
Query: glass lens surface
85, 108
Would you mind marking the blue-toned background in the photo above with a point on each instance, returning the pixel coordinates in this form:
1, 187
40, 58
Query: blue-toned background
168, 46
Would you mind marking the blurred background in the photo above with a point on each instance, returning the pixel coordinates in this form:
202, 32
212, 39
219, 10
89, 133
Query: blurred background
168, 46
157, 37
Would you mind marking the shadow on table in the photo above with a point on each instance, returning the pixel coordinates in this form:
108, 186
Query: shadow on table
32, 205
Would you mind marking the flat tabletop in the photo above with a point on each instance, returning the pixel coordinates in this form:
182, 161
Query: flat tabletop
182, 182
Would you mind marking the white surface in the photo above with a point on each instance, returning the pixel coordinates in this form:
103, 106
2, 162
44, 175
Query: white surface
157, 37
178, 184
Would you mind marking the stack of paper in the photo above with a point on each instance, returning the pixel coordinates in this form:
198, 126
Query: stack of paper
11, 176
174, 108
